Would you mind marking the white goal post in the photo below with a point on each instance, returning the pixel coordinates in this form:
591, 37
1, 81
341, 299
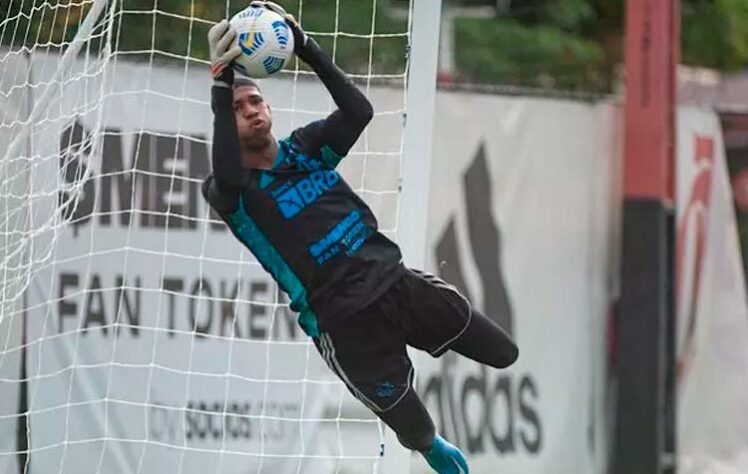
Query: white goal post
136, 334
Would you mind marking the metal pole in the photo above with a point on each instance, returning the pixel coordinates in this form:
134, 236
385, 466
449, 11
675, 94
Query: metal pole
416, 168
421, 95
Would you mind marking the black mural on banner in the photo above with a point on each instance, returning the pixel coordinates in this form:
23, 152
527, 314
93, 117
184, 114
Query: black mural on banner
163, 172
162, 166
510, 420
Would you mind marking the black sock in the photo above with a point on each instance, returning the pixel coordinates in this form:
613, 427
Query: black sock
484, 341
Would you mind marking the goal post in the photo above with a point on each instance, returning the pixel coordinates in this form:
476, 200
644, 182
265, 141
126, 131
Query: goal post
153, 338
416, 171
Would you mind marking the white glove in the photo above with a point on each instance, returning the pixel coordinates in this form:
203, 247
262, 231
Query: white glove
223, 50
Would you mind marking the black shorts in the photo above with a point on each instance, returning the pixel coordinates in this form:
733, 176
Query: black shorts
367, 350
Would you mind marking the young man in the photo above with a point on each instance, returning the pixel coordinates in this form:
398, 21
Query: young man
284, 200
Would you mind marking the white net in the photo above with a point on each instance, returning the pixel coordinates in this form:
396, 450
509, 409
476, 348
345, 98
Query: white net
136, 334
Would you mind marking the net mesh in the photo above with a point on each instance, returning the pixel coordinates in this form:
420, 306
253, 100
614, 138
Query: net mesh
136, 334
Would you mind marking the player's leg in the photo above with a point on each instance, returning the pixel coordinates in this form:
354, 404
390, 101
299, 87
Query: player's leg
393, 400
368, 352
415, 430
486, 342
444, 319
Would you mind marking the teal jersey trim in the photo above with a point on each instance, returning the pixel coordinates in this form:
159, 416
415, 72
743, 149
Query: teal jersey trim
280, 157
329, 157
272, 261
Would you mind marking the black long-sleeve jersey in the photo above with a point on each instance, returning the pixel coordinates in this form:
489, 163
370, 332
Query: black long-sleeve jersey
306, 226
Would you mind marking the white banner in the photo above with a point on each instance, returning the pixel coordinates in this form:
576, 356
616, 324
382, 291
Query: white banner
147, 333
149, 328
12, 421
522, 219
13, 258
712, 317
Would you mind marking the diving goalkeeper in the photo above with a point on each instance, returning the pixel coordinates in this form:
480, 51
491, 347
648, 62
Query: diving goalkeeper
286, 203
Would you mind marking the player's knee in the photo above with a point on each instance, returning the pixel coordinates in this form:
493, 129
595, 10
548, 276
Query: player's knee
503, 355
510, 356
419, 441
506, 352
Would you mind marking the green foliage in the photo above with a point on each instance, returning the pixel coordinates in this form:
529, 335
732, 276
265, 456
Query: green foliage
574, 44
715, 33
569, 15
578, 44
178, 28
507, 52
355, 17
569, 44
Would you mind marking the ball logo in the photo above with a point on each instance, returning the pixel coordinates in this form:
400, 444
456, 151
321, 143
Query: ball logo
250, 42
252, 13
281, 32
272, 64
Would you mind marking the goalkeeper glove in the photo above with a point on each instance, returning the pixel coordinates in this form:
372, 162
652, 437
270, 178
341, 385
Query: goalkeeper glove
300, 38
223, 50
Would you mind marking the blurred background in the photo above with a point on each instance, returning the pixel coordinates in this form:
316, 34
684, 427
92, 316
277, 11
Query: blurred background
575, 45
577, 168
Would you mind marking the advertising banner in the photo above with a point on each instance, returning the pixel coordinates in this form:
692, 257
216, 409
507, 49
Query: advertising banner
712, 317
523, 221
14, 216
156, 339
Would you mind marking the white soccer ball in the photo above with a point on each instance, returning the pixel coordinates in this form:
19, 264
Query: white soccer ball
265, 39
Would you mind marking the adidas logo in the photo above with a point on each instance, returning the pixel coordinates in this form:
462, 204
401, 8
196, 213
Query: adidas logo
484, 237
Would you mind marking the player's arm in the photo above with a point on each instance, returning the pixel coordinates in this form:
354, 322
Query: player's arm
341, 129
226, 151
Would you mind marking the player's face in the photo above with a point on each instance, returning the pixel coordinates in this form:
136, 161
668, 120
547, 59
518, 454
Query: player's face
253, 118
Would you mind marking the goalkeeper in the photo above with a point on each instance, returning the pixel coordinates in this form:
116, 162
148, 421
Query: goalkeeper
284, 201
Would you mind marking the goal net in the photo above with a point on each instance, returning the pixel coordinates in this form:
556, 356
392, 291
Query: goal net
136, 334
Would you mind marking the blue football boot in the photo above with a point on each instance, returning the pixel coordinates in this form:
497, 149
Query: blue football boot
446, 458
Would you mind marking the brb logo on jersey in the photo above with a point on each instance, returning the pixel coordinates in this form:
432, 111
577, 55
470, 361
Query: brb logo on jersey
292, 198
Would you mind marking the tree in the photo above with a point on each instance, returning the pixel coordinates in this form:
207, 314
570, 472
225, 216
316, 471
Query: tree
715, 33
578, 44
569, 44
178, 28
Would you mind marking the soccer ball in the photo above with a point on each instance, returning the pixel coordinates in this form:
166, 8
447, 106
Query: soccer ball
265, 39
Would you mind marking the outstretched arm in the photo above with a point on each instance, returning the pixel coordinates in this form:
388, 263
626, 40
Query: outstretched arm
341, 129
226, 152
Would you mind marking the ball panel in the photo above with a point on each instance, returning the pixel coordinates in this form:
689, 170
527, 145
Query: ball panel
273, 64
280, 28
265, 39
250, 43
